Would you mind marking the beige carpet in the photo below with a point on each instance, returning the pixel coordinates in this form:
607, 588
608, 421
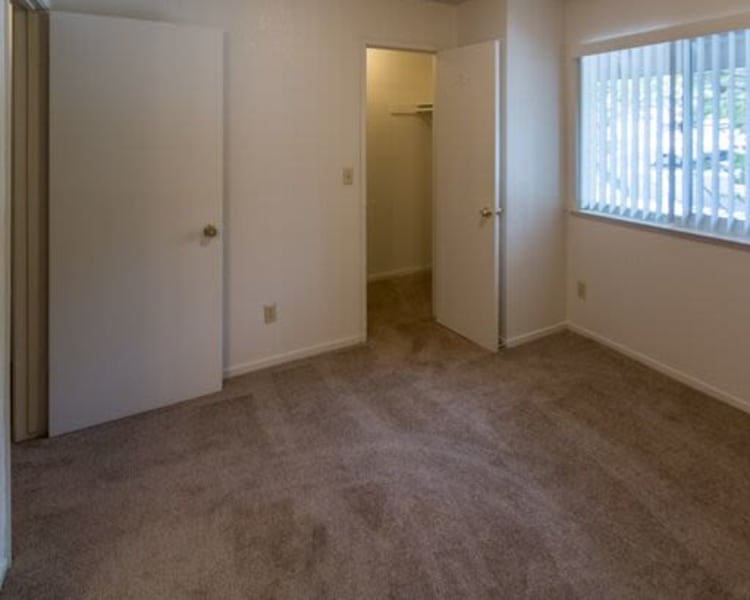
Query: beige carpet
417, 466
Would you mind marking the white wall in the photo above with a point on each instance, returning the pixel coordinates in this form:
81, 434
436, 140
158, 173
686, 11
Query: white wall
5, 550
481, 21
399, 163
596, 20
294, 99
535, 224
534, 245
677, 303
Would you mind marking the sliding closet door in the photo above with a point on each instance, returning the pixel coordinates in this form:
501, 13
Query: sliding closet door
136, 175
30, 236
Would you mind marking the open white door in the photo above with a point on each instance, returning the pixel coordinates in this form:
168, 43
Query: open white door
136, 174
467, 192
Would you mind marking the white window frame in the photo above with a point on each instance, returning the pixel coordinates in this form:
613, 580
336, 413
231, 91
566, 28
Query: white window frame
577, 52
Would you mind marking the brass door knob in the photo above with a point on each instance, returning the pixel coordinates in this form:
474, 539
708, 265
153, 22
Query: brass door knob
487, 212
210, 231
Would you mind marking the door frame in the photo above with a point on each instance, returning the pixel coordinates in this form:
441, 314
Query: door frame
381, 44
6, 33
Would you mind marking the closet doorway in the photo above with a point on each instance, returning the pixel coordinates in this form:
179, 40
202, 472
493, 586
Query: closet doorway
399, 166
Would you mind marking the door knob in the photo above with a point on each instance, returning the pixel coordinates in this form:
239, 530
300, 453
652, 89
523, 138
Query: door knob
486, 212
210, 231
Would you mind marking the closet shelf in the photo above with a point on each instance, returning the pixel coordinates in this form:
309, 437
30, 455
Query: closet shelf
411, 109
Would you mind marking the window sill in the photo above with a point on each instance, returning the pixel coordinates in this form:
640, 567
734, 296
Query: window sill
672, 230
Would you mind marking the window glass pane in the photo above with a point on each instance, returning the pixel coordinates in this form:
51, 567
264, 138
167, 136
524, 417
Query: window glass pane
665, 130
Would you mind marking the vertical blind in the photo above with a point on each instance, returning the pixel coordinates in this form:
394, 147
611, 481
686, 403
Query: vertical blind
665, 131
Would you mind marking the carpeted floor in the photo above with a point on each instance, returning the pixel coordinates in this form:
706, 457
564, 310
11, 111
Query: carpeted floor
417, 466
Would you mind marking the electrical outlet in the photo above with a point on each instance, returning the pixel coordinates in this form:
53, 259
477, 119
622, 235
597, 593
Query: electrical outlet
582, 290
270, 314
348, 176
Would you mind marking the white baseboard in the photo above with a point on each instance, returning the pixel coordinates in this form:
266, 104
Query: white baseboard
398, 273
280, 359
684, 378
676, 374
535, 335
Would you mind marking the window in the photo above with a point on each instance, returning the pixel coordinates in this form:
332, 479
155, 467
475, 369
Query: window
665, 132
